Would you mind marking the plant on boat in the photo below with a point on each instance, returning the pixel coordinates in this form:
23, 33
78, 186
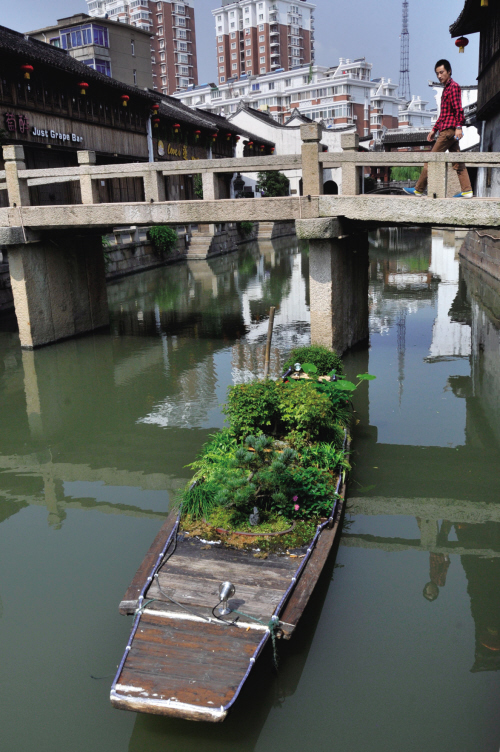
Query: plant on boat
324, 359
253, 408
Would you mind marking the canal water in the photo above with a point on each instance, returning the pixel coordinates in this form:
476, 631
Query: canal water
400, 649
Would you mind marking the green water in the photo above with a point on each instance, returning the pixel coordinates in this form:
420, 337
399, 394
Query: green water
95, 437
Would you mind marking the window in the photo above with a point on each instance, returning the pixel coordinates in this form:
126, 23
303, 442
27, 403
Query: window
222, 79
162, 44
164, 80
261, 27
182, 58
262, 38
262, 49
132, 46
102, 66
270, 86
184, 71
159, 17
221, 49
233, 25
288, 82
181, 34
163, 68
247, 10
158, 6
219, 19
249, 52
221, 59
233, 45
234, 66
233, 36
255, 87
263, 70
248, 42
180, 21
221, 69
231, 15
263, 60
79, 36
160, 31
182, 46
165, 91
135, 77
249, 72
219, 31
220, 38
162, 56
261, 16
234, 56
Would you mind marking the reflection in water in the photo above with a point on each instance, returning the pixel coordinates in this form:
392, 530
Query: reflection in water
96, 436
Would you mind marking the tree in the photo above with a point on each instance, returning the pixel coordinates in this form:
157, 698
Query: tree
274, 184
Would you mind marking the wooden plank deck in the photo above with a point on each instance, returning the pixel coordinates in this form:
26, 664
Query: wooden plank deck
183, 662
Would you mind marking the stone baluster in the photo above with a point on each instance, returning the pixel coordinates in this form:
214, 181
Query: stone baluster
88, 186
350, 172
437, 179
212, 189
154, 186
312, 168
17, 187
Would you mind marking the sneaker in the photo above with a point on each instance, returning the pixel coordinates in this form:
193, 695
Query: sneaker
464, 194
412, 192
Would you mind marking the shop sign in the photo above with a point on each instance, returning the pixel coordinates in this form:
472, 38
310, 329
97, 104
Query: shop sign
178, 150
20, 124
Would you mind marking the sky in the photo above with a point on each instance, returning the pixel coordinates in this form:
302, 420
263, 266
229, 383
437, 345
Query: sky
344, 28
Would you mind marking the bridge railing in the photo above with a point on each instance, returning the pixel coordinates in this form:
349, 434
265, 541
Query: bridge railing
312, 162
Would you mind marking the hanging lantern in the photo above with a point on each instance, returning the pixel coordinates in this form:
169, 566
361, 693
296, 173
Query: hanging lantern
484, 3
27, 70
156, 122
83, 87
250, 144
461, 43
176, 127
262, 147
155, 108
272, 149
214, 137
229, 136
237, 138
197, 135
124, 98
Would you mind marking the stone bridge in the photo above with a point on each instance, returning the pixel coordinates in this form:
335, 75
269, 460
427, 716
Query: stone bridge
55, 252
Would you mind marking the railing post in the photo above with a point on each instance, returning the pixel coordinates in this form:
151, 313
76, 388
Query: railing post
88, 187
17, 188
211, 186
312, 169
437, 179
350, 172
154, 186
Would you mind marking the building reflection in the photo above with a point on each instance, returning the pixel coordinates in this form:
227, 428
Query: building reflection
456, 504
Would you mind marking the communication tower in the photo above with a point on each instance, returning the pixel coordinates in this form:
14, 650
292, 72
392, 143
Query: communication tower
404, 68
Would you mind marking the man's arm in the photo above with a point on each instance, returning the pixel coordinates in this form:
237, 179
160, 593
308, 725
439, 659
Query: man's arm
456, 103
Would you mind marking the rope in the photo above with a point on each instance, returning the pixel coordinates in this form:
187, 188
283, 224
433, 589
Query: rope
272, 626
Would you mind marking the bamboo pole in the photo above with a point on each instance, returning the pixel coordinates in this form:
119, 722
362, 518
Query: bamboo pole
269, 339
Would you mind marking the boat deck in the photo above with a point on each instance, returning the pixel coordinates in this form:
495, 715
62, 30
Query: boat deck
183, 662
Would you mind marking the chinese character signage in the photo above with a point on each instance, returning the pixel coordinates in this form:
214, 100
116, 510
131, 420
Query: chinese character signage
20, 124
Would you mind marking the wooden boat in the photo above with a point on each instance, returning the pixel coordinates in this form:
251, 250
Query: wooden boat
183, 661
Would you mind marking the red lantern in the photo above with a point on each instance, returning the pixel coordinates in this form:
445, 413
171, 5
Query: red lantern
156, 122
197, 134
124, 98
462, 43
27, 69
176, 127
262, 147
237, 138
250, 143
83, 88
272, 149
229, 136
155, 107
214, 136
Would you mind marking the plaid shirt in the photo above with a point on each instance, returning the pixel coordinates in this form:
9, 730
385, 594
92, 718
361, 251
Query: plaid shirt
452, 114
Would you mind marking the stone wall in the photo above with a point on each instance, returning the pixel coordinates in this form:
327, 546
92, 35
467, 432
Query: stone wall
482, 249
128, 251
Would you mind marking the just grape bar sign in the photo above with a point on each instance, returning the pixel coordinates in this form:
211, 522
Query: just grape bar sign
20, 124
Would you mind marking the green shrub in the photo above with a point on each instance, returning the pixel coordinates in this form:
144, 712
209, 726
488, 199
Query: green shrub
198, 186
324, 359
405, 173
304, 411
253, 408
274, 184
164, 238
244, 228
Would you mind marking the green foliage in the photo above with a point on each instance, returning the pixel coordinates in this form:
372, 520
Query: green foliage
324, 359
253, 408
274, 184
306, 413
405, 173
164, 238
198, 186
106, 247
244, 228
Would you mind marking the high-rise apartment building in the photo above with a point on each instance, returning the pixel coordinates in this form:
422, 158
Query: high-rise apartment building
173, 37
262, 36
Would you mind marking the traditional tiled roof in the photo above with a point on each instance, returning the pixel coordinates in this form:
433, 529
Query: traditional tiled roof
23, 49
406, 136
470, 20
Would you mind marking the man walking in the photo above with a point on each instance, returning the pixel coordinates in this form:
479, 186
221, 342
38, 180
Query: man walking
449, 124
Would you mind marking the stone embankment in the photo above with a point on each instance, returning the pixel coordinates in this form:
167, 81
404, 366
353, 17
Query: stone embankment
482, 249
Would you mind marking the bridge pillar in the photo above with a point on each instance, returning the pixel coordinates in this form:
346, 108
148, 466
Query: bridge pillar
213, 187
350, 172
59, 288
312, 168
17, 188
338, 275
88, 187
